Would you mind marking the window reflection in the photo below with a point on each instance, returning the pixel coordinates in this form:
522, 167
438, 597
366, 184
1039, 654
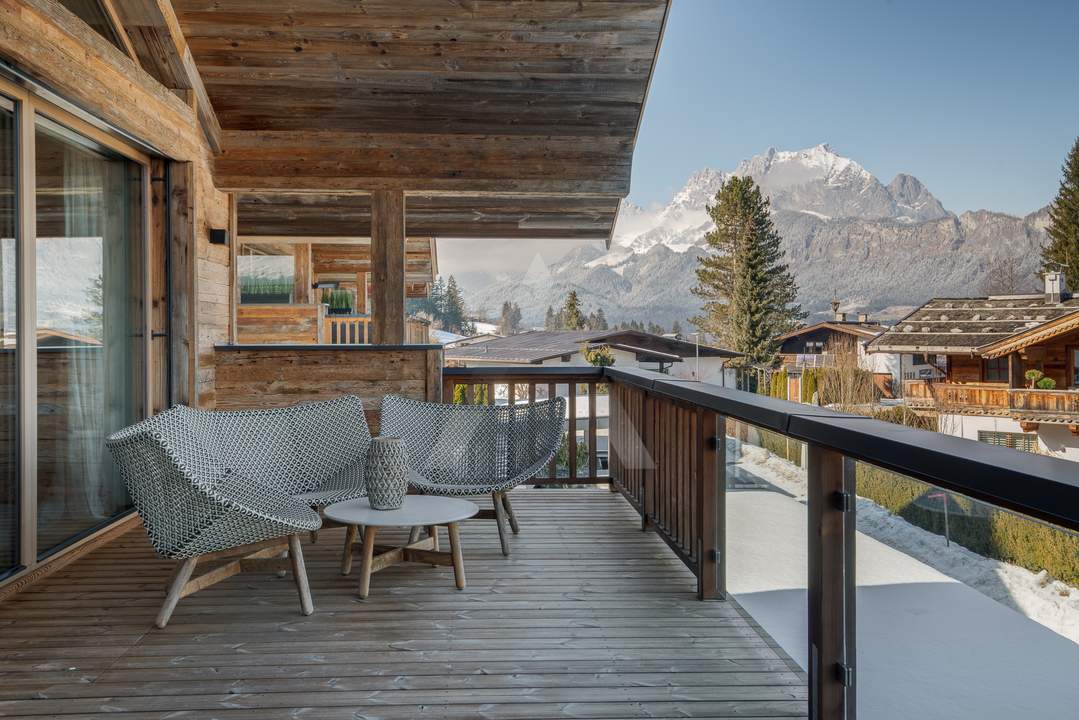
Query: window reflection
89, 280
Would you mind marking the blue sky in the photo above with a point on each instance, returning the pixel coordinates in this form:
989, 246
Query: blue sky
979, 100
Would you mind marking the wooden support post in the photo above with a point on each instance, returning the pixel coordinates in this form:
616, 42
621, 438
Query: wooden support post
712, 505
388, 266
183, 282
302, 292
830, 565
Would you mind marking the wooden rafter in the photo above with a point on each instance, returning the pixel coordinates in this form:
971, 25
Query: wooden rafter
152, 30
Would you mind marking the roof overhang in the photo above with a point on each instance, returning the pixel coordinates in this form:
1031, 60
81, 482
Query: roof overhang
496, 119
1042, 333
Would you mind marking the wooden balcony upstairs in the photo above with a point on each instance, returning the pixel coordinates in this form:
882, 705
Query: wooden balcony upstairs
1023, 404
589, 617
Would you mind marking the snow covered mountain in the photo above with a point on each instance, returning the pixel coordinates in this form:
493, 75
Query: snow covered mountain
880, 248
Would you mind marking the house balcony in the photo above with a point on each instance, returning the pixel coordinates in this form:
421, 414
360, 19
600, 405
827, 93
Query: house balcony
710, 572
1022, 404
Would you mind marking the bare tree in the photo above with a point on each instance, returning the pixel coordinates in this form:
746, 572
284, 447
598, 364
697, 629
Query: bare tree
1003, 277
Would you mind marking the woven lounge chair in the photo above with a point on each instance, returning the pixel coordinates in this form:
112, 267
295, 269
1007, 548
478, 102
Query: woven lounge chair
212, 485
476, 449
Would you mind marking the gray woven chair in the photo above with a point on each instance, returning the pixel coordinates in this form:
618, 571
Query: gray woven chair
476, 449
213, 485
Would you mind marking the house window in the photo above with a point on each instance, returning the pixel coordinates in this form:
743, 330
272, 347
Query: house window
1027, 442
814, 347
996, 370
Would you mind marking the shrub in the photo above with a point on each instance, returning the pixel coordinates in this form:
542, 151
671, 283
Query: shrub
994, 533
1046, 383
1033, 376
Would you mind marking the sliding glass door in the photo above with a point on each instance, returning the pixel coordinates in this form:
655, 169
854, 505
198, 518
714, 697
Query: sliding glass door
9, 376
90, 321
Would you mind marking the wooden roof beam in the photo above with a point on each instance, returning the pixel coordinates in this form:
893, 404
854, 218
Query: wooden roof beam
154, 33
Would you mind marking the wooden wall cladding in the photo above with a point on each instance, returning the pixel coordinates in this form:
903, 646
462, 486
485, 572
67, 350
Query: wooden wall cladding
279, 323
260, 377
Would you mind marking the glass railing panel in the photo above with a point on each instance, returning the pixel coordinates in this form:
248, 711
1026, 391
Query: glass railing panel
961, 605
766, 533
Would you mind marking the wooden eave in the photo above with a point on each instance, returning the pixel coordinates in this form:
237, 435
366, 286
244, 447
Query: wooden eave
1034, 336
497, 119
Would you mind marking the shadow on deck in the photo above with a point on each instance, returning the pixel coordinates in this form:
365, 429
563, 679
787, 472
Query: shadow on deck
589, 618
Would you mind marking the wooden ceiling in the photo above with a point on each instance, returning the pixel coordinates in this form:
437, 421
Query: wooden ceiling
498, 118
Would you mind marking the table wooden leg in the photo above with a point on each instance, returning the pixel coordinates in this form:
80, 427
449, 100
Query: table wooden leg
432, 532
368, 558
346, 556
458, 558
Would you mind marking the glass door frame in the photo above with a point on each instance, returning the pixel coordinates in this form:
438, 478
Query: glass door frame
28, 107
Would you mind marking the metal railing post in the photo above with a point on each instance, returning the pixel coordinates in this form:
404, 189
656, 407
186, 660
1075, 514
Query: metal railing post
831, 570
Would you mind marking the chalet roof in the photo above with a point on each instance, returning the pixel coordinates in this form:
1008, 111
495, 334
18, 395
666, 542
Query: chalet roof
539, 345
970, 325
861, 330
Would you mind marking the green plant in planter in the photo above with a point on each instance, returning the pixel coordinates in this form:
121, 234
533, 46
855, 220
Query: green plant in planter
327, 296
1034, 376
340, 302
1046, 383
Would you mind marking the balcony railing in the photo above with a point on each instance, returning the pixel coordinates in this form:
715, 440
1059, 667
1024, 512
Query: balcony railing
668, 442
987, 399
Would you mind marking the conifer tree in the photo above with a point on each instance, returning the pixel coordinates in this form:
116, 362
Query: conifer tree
1062, 252
550, 321
571, 316
454, 312
600, 321
748, 291
676, 328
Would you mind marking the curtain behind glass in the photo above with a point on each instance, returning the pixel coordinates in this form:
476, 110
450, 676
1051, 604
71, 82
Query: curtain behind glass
89, 282
9, 437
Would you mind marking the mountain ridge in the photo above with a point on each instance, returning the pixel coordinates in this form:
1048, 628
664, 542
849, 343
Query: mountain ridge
879, 248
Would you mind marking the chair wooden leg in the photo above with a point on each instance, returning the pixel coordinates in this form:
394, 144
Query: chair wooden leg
299, 573
176, 588
509, 513
346, 555
314, 536
500, 520
458, 556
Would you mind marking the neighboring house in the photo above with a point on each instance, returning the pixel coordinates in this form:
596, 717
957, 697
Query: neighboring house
462, 340
990, 344
631, 348
833, 342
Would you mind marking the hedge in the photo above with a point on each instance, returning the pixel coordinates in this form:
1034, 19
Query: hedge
986, 530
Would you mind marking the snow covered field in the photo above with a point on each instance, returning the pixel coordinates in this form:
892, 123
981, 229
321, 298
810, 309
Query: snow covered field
939, 635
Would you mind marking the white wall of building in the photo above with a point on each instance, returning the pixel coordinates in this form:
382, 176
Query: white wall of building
1055, 440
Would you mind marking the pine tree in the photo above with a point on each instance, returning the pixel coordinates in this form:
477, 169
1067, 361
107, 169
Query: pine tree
1063, 247
505, 320
601, 320
748, 291
571, 316
676, 328
454, 313
550, 321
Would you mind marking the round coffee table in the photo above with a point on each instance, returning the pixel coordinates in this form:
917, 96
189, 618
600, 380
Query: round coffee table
427, 511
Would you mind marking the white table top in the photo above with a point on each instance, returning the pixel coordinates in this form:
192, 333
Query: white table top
417, 510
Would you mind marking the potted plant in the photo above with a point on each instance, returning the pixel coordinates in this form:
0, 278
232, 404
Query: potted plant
1034, 377
1046, 383
340, 302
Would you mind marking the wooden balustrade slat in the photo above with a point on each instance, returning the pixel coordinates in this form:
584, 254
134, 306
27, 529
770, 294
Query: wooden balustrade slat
571, 429
552, 467
593, 455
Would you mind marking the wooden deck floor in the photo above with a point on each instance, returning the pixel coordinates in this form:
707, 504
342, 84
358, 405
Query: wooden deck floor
589, 618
